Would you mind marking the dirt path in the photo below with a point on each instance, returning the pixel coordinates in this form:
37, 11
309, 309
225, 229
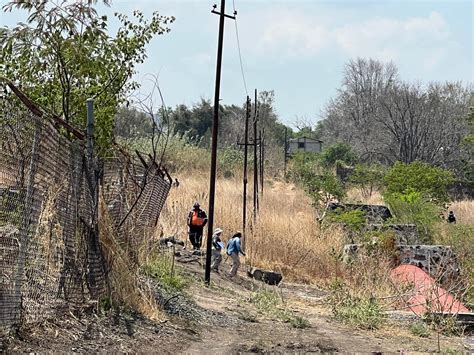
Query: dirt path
261, 333
222, 319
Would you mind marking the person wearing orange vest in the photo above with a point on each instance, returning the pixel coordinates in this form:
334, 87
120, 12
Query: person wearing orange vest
197, 219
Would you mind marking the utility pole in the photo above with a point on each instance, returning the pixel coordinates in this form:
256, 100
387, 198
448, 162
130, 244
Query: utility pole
286, 148
255, 162
262, 158
246, 143
215, 127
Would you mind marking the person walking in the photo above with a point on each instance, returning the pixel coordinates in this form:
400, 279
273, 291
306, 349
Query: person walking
197, 219
217, 246
234, 250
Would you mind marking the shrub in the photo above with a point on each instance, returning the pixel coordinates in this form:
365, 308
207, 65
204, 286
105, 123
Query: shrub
412, 207
229, 160
354, 220
430, 181
160, 268
420, 329
299, 322
361, 312
339, 152
319, 183
368, 178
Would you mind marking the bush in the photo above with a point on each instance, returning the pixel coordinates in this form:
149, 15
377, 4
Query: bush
320, 184
430, 181
368, 178
420, 329
361, 312
160, 268
354, 220
229, 160
339, 152
412, 207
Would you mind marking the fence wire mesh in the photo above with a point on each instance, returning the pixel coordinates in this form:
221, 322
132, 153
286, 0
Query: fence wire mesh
50, 250
135, 192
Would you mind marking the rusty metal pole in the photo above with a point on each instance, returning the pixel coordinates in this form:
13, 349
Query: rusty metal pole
260, 151
285, 148
215, 127
246, 142
255, 162
262, 160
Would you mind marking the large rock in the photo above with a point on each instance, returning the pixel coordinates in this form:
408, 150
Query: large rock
269, 277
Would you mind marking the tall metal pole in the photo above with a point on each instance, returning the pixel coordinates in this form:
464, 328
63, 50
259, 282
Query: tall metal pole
286, 148
215, 127
255, 162
246, 142
260, 156
262, 159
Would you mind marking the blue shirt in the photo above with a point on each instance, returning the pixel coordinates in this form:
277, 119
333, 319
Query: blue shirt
233, 247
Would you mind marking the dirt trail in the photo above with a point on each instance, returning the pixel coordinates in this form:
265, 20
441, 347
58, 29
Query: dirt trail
222, 320
260, 333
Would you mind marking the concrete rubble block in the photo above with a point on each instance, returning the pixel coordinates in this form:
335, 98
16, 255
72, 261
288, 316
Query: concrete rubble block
405, 234
269, 277
439, 261
373, 213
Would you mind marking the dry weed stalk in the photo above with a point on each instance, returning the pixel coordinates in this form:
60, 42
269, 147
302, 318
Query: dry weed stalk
124, 271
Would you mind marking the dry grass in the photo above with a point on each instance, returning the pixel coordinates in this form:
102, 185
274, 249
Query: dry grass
464, 211
127, 289
355, 195
286, 237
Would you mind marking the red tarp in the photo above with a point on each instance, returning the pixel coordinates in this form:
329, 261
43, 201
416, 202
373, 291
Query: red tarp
426, 295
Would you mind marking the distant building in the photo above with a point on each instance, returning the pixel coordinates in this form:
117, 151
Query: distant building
304, 144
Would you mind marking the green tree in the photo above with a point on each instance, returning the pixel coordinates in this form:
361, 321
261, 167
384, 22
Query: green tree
131, 123
427, 180
368, 178
412, 207
339, 152
64, 54
320, 184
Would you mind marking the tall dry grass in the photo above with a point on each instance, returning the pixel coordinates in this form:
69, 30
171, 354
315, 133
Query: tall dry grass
355, 195
127, 288
285, 238
464, 211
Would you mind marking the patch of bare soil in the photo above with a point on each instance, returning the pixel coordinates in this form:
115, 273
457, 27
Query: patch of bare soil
219, 319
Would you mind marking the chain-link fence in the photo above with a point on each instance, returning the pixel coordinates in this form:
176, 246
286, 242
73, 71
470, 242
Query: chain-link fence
135, 193
50, 250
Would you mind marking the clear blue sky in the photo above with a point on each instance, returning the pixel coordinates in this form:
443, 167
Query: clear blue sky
298, 48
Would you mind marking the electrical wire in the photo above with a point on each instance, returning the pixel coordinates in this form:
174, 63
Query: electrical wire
240, 53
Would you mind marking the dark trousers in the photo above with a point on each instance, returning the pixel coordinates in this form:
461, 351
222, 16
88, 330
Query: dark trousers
195, 236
